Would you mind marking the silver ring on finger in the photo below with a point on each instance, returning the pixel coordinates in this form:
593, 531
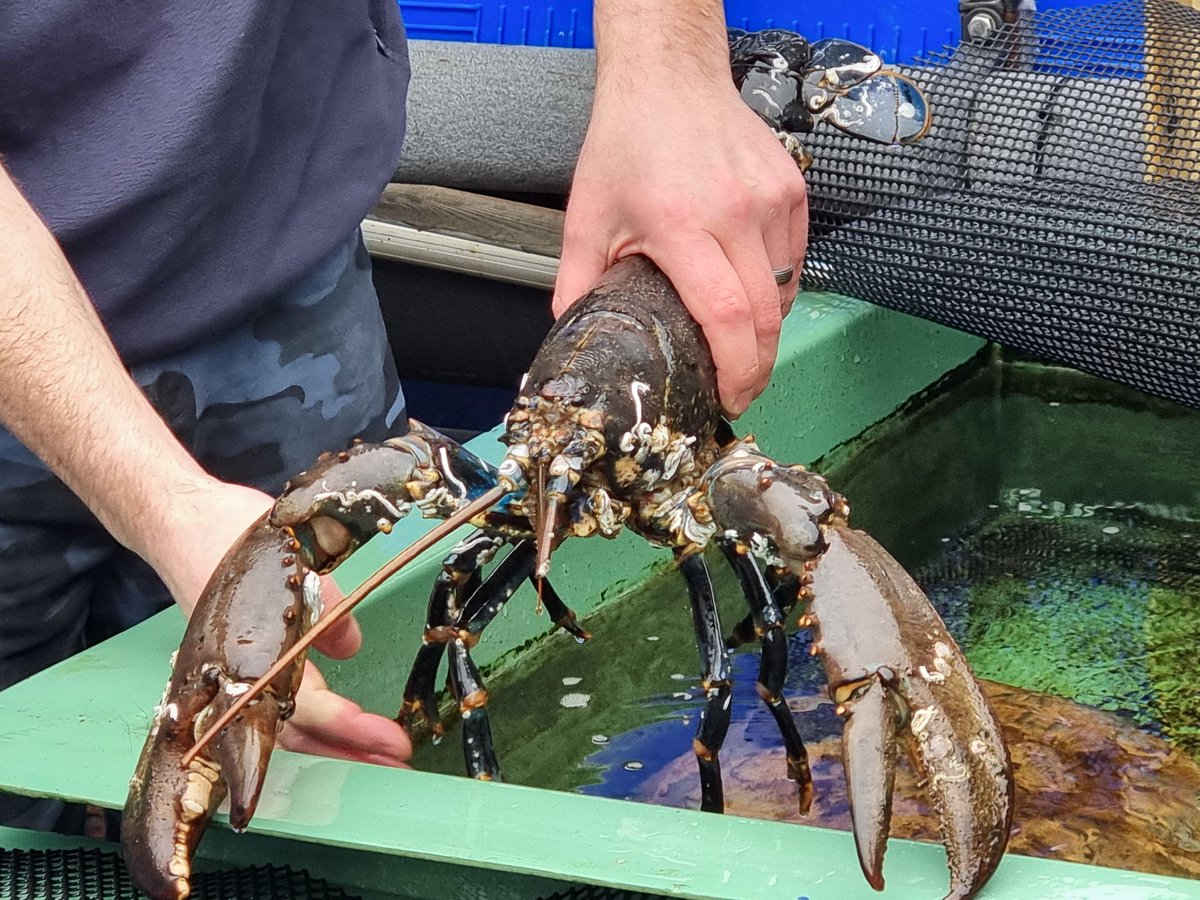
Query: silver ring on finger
783, 276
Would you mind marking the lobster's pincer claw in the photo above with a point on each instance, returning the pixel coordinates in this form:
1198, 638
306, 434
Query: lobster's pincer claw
257, 605
781, 49
898, 677
887, 108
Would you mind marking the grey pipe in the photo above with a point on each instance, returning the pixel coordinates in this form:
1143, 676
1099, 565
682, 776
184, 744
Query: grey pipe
491, 117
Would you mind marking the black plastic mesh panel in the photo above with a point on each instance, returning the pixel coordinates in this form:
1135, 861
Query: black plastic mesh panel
97, 875
1053, 206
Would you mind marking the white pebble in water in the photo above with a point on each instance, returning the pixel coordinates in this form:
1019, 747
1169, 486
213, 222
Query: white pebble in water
634, 765
1111, 529
575, 701
571, 680
599, 738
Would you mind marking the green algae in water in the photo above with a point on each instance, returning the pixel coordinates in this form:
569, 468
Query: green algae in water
1102, 608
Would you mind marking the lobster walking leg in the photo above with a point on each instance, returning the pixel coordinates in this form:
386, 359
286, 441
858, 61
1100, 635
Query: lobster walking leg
717, 681
768, 622
460, 575
466, 683
460, 630
783, 587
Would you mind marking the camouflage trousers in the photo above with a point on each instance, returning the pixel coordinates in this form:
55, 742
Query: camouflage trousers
254, 406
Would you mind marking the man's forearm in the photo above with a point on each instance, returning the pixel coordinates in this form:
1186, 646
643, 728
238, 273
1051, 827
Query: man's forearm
64, 391
638, 40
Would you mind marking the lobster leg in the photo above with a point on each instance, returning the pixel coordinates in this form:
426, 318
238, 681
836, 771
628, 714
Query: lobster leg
717, 680
783, 587
467, 686
465, 681
459, 575
461, 631
561, 614
768, 622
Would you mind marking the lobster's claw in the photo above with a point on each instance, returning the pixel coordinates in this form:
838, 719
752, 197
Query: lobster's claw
898, 677
242, 655
893, 669
256, 606
170, 805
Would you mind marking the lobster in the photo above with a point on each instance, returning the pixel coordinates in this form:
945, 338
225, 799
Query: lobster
616, 425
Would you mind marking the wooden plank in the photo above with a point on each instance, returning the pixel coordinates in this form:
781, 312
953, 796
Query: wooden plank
478, 217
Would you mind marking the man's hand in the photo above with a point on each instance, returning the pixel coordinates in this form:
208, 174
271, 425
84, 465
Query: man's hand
675, 166
327, 724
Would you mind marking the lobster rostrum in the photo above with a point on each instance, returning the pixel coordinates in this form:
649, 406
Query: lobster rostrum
616, 426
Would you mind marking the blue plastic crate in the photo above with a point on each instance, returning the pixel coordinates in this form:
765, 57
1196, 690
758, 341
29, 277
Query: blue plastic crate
898, 31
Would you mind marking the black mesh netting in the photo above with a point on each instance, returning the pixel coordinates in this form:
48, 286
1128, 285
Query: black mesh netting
99, 875
1052, 207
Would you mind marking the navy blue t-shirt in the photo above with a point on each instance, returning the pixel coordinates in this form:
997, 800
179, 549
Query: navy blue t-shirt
194, 157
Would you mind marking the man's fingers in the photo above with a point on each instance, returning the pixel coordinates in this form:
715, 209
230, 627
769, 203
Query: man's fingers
716, 298
582, 264
327, 724
344, 638
753, 267
798, 243
361, 737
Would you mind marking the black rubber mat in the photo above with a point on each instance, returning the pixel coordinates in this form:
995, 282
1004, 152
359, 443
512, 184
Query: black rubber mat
1053, 207
98, 875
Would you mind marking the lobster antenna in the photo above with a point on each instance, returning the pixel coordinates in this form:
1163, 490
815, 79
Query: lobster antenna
548, 522
351, 600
